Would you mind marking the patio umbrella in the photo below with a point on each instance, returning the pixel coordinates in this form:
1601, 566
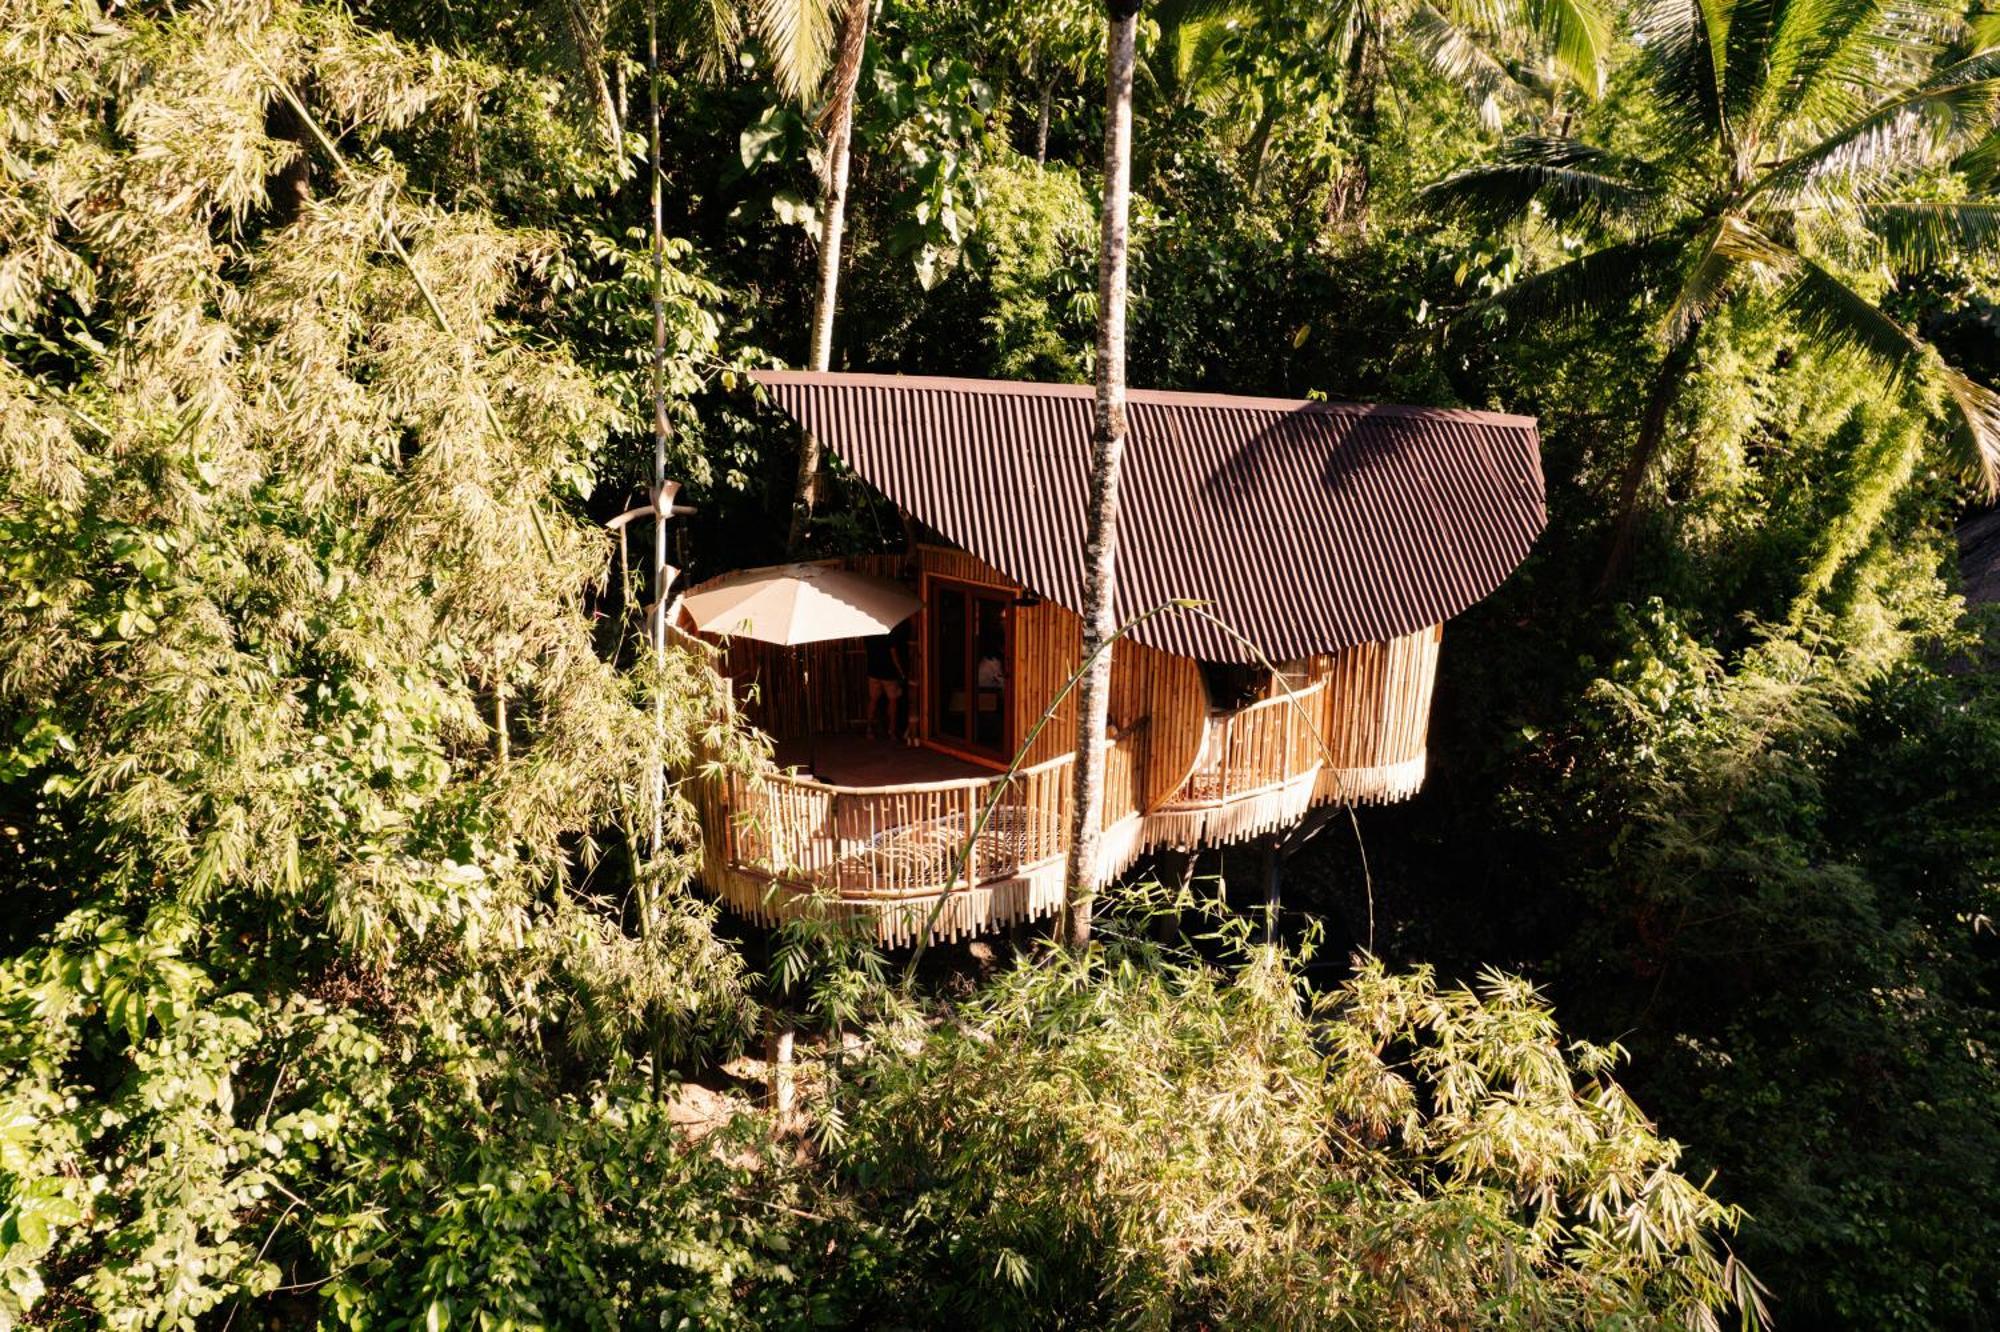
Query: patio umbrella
795, 604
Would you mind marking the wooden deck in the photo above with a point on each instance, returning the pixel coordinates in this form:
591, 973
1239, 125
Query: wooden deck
845, 759
930, 845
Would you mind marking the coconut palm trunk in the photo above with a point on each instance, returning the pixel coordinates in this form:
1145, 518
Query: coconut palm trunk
1667, 385
833, 221
1107, 448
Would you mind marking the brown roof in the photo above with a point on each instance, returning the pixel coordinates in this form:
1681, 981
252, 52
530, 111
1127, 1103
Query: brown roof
1308, 526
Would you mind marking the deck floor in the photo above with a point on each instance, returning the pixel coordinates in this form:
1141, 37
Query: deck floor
856, 760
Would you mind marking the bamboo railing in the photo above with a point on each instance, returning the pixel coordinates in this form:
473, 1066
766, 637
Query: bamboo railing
1175, 776
891, 843
887, 843
1257, 749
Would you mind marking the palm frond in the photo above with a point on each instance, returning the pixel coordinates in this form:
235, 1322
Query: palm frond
1733, 253
1686, 44
1463, 60
1916, 129
1828, 61
798, 37
1919, 234
1579, 36
1575, 184
1979, 165
1979, 67
1978, 435
707, 31
1836, 315
1592, 284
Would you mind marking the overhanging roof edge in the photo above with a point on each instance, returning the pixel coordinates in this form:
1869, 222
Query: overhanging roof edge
1162, 397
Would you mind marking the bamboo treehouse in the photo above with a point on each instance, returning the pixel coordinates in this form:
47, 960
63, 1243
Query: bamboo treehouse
1329, 543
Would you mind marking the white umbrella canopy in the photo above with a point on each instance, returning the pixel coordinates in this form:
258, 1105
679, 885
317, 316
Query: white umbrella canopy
795, 604
799, 603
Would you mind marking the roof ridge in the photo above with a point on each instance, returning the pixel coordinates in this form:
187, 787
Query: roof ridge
1161, 397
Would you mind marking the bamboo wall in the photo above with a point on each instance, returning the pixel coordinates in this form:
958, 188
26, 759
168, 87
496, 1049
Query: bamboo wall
1371, 719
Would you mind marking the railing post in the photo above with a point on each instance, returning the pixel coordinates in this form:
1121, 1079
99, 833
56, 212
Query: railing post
1228, 744
972, 808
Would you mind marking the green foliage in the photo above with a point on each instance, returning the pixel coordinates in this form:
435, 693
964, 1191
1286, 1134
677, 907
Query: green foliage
1797, 889
1129, 1139
314, 748
1035, 252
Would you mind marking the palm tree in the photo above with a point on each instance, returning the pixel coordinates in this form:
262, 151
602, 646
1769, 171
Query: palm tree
1795, 142
1107, 449
1281, 62
1503, 53
798, 34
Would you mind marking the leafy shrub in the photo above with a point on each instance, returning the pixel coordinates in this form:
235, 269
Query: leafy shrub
1134, 1140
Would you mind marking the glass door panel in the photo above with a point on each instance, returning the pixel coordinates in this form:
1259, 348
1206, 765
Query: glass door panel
968, 667
989, 672
950, 702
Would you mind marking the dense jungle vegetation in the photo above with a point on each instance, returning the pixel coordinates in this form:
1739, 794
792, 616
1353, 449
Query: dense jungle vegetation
342, 982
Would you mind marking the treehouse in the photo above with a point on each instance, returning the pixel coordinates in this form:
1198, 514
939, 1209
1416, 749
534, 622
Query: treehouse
1330, 543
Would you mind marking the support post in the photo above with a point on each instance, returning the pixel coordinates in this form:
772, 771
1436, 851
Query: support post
1177, 877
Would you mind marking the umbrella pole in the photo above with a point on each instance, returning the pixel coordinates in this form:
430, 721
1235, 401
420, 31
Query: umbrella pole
812, 713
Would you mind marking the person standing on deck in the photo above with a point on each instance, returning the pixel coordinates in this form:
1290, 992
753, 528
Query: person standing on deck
888, 676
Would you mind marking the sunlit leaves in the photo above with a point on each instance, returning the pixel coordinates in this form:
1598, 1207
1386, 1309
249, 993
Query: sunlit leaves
1185, 1146
798, 36
287, 528
1765, 189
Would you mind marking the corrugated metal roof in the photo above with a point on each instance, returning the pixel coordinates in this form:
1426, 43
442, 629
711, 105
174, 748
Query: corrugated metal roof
1308, 526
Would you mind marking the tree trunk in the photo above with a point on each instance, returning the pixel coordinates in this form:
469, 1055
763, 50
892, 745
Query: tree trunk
1347, 201
662, 494
1107, 448
1042, 122
290, 187
1666, 392
782, 1070
832, 220
1260, 145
